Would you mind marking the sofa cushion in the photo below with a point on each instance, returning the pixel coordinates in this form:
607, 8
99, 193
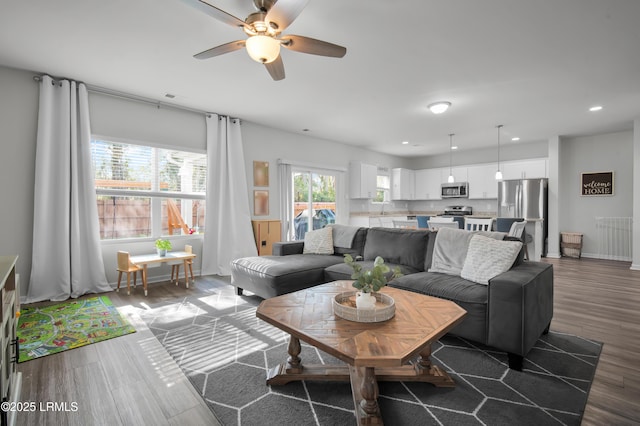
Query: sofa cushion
397, 246
450, 250
470, 296
487, 257
319, 241
342, 271
357, 245
269, 276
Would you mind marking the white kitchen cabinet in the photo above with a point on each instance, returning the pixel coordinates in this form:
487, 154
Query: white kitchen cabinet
428, 184
482, 181
524, 169
402, 184
362, 180
460, 174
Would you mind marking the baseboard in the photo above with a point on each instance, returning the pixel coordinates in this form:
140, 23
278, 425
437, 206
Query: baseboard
635, 267
554, 255
151, 280
599, 256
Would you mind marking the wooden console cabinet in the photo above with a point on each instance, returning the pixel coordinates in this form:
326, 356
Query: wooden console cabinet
10, 378
266, 233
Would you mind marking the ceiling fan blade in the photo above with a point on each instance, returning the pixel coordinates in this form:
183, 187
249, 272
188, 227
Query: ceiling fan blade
276, 69
220, 50
313, 46
213, 11
284, 12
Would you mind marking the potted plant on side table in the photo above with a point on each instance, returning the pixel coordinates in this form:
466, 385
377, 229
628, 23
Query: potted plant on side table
370, 280
162, 246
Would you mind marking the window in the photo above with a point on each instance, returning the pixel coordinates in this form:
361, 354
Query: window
383, 186
144, 191
315, 192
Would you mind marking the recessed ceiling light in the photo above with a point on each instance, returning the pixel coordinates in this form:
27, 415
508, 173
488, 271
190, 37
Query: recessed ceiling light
454, 147
595, 108
405, 142
516, 139
439, 107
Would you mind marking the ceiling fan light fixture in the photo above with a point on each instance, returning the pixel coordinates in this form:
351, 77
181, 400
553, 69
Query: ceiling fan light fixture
263, 49
439, 107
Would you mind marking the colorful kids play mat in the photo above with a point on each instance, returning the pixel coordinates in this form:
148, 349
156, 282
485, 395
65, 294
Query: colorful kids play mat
51, 329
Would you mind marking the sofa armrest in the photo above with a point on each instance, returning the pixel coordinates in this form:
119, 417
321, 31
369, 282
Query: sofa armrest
284, 248
520, 306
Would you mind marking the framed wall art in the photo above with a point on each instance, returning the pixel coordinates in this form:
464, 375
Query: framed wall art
260, 202
260, 173
596, 184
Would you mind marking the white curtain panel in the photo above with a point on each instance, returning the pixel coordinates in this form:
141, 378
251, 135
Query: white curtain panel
286, 200
228, 232
67, 257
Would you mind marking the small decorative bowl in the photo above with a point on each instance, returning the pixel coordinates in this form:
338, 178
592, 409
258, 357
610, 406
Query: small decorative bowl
344, 307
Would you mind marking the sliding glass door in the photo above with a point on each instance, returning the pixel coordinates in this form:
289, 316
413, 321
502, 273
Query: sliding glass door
314, 200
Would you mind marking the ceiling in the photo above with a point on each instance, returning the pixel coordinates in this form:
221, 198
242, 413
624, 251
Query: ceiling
534, 66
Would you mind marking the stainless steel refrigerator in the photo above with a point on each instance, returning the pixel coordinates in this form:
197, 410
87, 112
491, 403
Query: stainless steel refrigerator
526, 198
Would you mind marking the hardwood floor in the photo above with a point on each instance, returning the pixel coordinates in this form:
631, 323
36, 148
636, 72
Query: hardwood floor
129, 380
600, 300
132, 380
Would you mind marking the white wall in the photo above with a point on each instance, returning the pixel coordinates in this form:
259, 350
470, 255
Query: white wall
267, 144
18, 123
597, 153
508, 151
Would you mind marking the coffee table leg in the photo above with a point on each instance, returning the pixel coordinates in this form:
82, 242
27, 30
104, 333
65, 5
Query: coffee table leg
369, 391
293, 361
364, 388
423, 365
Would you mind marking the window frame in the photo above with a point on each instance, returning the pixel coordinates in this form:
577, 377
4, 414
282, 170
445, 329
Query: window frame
386, 198
155, 194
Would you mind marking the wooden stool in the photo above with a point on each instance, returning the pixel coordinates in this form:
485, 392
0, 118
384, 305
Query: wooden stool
125, 265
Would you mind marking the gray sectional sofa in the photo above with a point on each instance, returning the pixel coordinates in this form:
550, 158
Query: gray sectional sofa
509, 314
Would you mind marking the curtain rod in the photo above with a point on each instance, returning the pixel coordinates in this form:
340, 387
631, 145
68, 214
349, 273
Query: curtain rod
130, 97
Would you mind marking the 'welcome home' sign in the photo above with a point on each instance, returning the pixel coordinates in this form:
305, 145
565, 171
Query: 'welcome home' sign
600, 183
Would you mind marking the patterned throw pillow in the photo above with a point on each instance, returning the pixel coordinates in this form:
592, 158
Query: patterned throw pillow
319, 241
487, 258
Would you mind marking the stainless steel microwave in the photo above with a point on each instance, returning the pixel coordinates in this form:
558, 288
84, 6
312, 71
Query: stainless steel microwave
455, 190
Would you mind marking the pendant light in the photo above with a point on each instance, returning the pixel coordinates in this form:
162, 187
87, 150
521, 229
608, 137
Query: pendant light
451, 178
499, 173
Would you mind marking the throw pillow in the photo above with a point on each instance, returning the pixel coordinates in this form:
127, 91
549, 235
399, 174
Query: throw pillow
450, 249
319, 241
487, 258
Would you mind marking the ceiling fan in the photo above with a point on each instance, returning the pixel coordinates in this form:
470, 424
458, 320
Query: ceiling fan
264, 29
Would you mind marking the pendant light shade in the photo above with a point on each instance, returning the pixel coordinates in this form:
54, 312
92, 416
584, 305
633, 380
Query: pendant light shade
451, 179
499, 173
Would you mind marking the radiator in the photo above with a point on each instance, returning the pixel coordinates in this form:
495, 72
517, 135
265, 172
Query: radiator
614, 237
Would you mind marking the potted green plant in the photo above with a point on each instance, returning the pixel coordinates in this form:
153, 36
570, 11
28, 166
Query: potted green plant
162, 246
370, 280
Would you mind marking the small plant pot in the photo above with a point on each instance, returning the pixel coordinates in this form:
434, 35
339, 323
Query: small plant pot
161, 253
365, 300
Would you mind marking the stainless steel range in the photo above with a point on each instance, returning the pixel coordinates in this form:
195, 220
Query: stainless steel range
457, 211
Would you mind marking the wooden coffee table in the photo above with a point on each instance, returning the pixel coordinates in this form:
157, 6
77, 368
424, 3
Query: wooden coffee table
372, 351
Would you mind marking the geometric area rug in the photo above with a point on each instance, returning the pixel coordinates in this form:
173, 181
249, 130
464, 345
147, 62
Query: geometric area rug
55, 328
226, 351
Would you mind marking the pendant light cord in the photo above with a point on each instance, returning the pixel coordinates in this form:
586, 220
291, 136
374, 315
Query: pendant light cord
499, 126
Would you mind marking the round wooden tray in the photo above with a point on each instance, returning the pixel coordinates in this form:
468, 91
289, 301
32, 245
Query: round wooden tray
344, 306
